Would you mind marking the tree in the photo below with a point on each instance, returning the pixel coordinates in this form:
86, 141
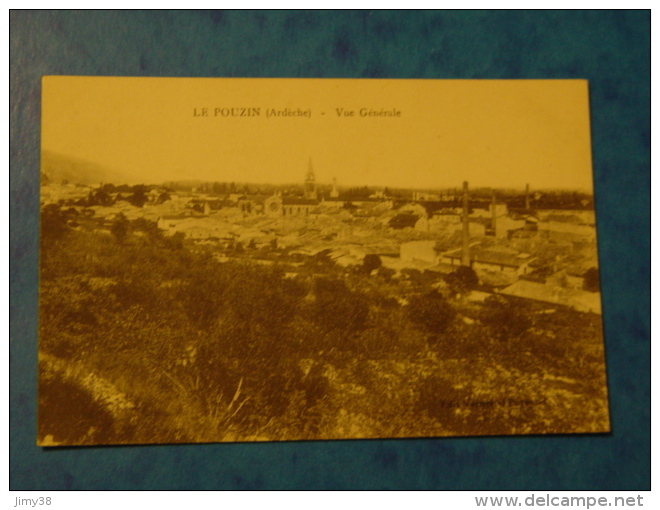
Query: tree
419, 278
119, 227
371, 262
139, 197
462, 280
591, 280
99, 197
432, 311
150, 228
53, 223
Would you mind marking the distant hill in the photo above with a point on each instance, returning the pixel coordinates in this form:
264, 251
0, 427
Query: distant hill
56, 168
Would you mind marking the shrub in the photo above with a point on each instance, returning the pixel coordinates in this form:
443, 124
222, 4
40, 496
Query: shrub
591, 280
371, 262
462, 280
507, 320
119, 227
337, 308
432, 311
386, 273
53, 223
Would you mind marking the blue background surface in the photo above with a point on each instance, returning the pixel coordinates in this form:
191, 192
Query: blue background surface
611, 49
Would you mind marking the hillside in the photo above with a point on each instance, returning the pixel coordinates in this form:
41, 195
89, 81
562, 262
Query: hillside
56, 168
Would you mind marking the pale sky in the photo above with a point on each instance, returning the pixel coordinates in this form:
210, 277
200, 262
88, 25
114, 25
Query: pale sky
496, 133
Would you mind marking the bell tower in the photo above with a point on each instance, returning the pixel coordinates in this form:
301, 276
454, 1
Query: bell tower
310, 183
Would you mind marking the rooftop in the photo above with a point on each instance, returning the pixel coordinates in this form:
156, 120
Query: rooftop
578, 299
404, 220
500, 257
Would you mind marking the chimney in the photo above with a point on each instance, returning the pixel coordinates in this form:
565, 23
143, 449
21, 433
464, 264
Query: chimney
493, 215
527, 197
334, 193
465, 256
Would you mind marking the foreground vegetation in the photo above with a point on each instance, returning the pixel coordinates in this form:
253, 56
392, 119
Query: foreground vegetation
143, 339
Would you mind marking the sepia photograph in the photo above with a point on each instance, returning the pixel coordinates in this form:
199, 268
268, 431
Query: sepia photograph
241, 260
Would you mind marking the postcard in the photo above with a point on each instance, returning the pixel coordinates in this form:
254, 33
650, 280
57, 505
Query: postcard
229, 260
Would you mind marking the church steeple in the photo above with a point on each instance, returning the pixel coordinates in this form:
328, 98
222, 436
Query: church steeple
310, 182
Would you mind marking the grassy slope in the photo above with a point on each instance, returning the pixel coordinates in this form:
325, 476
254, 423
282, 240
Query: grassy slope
200, 362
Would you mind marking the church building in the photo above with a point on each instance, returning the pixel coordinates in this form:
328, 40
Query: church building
277, 205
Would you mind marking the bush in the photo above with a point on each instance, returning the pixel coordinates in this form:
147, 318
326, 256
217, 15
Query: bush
422, 280
119, 227
371, 262
337, 308
432, 311
591, 280
386, 273
53, 223
462, 280
136, 291
507, 320
139, 197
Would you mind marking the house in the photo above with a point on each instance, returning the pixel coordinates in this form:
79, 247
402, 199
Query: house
333, 202
295, 205
251, 204
449, 223
567, 278
572, 271
579, 300
170, 223
505, 224
277, 205
420, 196
491, 259
423, 251
561, 231
416, 209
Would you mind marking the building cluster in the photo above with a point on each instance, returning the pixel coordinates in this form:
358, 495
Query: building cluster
542, 255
